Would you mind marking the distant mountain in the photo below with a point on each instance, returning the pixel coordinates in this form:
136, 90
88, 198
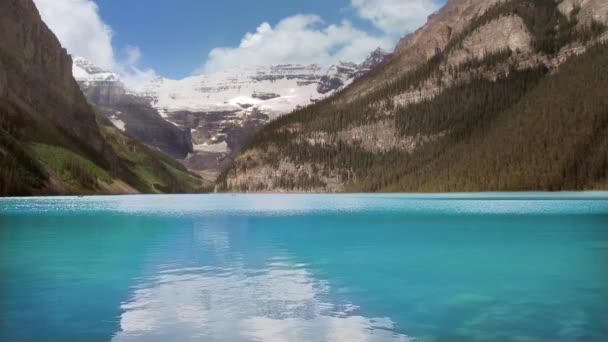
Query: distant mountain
130, 111
51, 139
340, 75
205, 120
488, 95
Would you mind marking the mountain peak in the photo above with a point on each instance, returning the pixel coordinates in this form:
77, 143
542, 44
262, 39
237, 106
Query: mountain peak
85, 71
374, 59
343, 73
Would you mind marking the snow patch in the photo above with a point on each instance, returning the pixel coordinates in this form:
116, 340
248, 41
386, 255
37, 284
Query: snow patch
118, 123
217, 148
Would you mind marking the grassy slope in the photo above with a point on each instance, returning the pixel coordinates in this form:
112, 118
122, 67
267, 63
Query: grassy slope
53, 163
148, 170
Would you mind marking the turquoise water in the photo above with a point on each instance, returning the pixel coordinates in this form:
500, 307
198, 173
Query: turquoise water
491, 267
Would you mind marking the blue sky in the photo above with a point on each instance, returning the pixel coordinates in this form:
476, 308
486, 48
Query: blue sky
190, 29
140, 39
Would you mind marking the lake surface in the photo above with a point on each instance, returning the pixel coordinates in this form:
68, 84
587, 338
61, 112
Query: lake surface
490, 267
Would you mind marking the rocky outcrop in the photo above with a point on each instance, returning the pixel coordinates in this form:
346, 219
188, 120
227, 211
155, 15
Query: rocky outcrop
264, 96
586, 11
253, 175
504, 33
455, 16
382, 137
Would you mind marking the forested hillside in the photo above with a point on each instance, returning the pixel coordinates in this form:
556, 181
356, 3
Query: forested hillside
515, 100
51, 140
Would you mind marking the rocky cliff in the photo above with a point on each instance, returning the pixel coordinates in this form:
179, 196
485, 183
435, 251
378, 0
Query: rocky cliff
32, 60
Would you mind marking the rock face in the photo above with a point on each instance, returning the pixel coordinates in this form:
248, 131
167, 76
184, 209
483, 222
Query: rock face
130, 112
337, 77
588, 10
373, 61
450, 20
217, 136
417, 47
31, 58
505, 33
342, 74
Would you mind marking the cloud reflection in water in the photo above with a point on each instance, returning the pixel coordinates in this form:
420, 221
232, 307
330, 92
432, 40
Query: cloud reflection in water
283, 302
239, 295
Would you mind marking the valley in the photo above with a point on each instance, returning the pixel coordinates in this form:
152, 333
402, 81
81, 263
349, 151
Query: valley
205, 120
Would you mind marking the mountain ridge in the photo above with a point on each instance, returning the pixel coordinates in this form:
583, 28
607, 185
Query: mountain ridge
433, 99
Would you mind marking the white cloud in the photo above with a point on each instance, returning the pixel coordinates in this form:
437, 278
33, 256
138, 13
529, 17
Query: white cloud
80, 29
130, 73
134, 77
395, 16
307, 39
302, 39
133, 55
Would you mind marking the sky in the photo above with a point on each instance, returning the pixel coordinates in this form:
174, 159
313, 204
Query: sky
141, 39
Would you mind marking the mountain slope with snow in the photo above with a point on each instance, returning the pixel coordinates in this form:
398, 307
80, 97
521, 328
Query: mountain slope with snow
287, 87
218, 112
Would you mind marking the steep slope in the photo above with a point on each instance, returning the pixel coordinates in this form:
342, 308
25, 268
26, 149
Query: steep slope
50, 139
502, 95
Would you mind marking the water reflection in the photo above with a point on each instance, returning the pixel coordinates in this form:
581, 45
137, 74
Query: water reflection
281, 302
219, 281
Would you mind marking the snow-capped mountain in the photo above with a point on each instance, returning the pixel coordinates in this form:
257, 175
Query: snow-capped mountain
338, 76
271, 90
376, 58
342, 74
85, 71
218, 112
